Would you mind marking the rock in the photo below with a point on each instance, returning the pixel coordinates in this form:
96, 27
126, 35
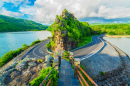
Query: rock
3, 76
14, 74
31, 64
48, 58
8, 68
26, 76
47, 65
57, 20
21, 66
27, 73
39, 67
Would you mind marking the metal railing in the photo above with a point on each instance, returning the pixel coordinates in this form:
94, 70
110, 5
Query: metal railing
78, 74
43, 82
78, 68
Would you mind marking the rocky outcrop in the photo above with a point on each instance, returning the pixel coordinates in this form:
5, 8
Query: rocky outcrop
63, 38
21, 73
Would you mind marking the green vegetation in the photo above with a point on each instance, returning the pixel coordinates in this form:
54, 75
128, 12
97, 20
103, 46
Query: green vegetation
111, 29
35, 42
43, 73
66, 55
11, 54
102, 73
87, 80
48, 45
9, 24
85, 41
66, 22
40, 60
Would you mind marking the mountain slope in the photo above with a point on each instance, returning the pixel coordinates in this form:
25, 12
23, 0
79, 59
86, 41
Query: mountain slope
9, 24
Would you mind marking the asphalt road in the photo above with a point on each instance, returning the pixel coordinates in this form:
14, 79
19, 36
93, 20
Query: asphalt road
39, 50
86, 50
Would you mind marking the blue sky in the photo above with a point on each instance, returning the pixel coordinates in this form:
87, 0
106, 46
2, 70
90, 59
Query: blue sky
44, 11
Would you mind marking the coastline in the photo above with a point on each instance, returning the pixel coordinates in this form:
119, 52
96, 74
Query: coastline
116, 36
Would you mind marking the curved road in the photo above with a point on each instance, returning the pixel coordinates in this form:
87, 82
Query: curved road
87, 50
39, 50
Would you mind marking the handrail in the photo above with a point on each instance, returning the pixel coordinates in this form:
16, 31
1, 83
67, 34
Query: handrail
82, 78
47, 78
78, 74
87, 75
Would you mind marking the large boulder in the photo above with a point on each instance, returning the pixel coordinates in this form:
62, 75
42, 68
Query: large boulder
4, 75
14, 74
21, 66
31, 64
47, 65
48, 58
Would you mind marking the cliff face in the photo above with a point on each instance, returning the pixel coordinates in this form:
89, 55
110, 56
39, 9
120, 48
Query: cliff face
66, 32
62, 41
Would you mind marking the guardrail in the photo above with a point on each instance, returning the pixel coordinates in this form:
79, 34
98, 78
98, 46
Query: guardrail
80, 77
78, 74
43, 82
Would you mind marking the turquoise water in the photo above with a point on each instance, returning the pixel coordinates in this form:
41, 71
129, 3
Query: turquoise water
13, 40
123, 43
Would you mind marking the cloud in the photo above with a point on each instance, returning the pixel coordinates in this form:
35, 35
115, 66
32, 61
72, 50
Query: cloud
44, 11
10, 13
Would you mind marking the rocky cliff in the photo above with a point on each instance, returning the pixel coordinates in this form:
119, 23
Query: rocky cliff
67, 31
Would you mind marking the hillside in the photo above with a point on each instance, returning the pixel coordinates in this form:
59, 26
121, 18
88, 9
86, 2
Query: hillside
111, 29
9, 24
67, 31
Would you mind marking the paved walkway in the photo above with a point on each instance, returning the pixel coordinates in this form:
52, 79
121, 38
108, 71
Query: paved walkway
66, 75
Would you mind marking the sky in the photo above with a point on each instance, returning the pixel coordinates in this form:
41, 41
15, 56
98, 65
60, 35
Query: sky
45, 11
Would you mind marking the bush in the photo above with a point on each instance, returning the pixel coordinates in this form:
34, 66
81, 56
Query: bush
66, 55
24, 46
48, 45
35, 42
9, 56
43, 73
40, 60
63, 35
102, 73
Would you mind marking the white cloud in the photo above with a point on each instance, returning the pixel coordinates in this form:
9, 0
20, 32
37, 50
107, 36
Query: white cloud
9, 13
44, 11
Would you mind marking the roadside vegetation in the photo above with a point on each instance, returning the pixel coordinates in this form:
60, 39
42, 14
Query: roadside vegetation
85, 41
13, 53
66, 55
43, 73
111, 29
86, 79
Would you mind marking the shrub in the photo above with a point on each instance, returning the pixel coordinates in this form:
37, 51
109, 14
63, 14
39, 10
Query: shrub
35, 42
63, 35
102, 73
48, 45
40, 60
43, 73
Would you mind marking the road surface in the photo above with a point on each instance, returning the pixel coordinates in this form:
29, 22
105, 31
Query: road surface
39, 50
95, 45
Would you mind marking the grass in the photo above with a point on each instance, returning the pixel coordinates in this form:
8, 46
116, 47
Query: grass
87, 80
85, 41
